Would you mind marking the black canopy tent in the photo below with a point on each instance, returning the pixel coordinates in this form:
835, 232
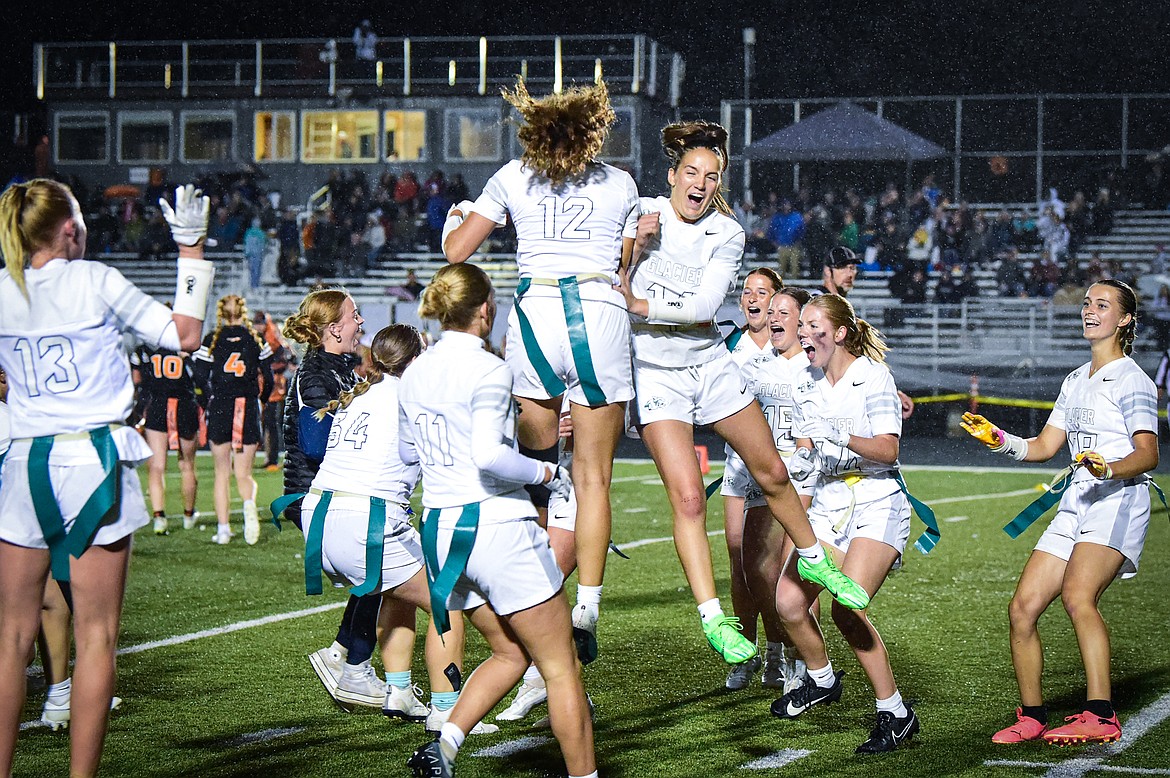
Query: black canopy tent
845, 133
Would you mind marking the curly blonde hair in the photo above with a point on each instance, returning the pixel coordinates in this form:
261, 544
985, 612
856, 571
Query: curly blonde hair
562, 133
680, 137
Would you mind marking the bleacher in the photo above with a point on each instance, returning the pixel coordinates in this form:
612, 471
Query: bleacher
981, 333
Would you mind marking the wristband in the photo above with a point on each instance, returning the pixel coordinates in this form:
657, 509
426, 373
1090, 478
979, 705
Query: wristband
1012, 445
192, 287
452, 223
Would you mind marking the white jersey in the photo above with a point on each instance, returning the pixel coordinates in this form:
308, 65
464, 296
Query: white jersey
864, 402
62, 347
5, 429
1102, 412
567, 229
744, 354
362, 454
438, 395
773, 381
685, 275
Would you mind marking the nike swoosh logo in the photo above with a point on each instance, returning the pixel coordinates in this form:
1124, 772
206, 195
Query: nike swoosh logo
1107, 379
794, 712
709, 232
559, 517
858, 383
1086, 531
902, 735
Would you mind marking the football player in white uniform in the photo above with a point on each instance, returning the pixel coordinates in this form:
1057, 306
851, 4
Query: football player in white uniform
569, 212
1106, 414
750, 345
684, 259
848, 422
773, 381
363, 490
71, 497
481, 539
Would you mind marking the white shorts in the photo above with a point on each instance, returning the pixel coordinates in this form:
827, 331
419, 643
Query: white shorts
1108, 513
737, 481
343, 544
608, 328
72, 485
837, 519
700, 394
512, 566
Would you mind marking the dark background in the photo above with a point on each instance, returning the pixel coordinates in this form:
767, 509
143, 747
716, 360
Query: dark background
804, 49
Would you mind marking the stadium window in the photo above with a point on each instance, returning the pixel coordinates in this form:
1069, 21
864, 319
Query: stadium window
275, 138
207, 136
405, 135
620, 143
144, 136
339, 136
82, 137
472, 135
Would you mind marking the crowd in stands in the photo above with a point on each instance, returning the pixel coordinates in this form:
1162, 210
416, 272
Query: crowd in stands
921, 234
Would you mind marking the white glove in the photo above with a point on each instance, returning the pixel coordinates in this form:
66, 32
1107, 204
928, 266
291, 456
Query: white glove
802, 464
454, 220
188, 219
561, 484
820, 428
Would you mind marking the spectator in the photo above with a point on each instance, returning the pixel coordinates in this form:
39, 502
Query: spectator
785, 233
410, 290
849, 236
818, 237
437, 206
255, 243
1045, 276
1010, 277
375, 236
365, 42
1102, 214
406, 192
977, 243
457, 189
223, 232
289, 235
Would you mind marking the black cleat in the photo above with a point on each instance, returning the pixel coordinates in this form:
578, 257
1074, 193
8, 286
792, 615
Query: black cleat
804, 697
890, 732
429, 762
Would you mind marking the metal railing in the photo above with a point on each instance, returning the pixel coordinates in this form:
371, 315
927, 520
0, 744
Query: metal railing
423, 66
1000, 147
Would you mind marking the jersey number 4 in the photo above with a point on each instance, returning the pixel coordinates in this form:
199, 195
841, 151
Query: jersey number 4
433, 441
235, 365
354, 431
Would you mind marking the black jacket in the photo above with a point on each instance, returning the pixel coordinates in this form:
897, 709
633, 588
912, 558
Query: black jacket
320, 379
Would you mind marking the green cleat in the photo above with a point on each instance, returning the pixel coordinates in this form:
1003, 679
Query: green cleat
843, 588
723, 633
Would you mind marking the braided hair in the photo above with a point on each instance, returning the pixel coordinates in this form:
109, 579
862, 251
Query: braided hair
1127, 300
392, 349
229, 308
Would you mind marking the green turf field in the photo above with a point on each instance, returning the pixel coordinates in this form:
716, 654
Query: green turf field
246, 702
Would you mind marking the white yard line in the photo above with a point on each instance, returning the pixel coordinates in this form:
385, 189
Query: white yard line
781, 758
224, 630
509, 747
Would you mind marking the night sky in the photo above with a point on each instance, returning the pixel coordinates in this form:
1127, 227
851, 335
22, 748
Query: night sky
804, 49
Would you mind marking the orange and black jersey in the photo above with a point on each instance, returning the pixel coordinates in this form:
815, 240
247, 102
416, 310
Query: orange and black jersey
163, 373
237, 366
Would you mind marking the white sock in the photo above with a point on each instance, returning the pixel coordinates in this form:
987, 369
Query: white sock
249, 503
591, 775
894, 705
814, 553
824, 677
532, 677
450, 740
57, 691
589, 595
710, 609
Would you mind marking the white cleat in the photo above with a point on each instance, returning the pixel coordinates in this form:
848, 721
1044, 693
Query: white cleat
403, 703
160, 525
222, 536
360, 685
437, 718
527, 698
189, 522
328, 663
251, 523
55, 715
